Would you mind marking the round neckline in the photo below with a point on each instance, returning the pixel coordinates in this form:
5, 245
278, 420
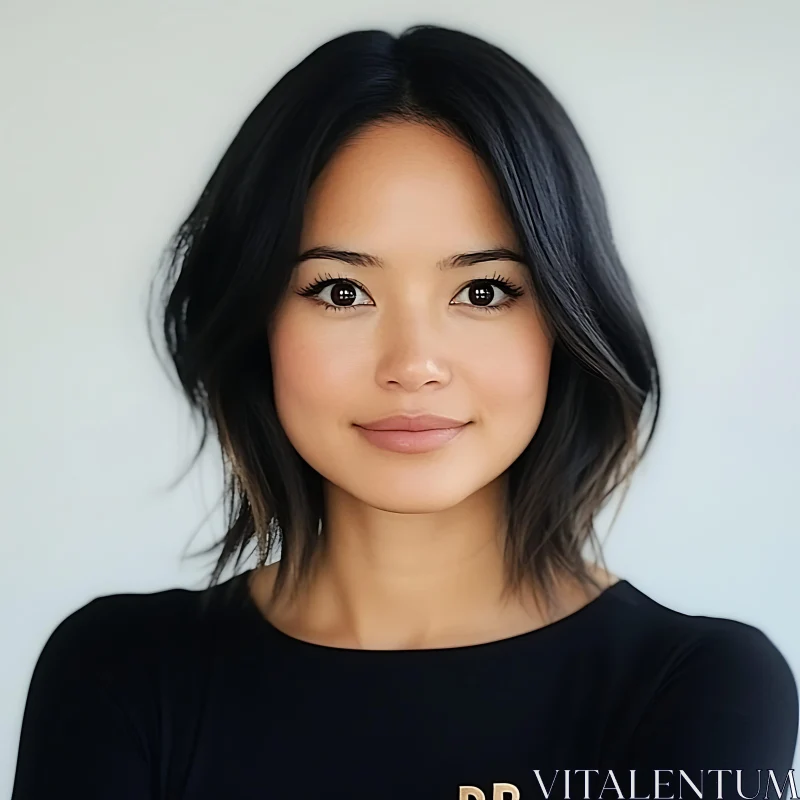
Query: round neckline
526, 637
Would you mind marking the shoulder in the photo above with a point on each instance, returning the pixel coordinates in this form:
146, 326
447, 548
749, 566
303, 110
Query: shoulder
107, 678
711, 682
699, 647
118, 635
705, 642
732, 661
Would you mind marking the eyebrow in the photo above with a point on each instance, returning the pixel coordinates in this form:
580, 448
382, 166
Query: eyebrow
453, 262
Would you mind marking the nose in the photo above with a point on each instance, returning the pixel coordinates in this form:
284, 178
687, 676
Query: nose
412, 353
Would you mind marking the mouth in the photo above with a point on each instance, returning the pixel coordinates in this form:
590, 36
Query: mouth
412, 422
412, 441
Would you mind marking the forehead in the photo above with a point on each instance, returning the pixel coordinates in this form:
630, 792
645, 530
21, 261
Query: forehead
403, 179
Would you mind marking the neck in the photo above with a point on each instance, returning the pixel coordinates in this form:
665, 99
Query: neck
388, 580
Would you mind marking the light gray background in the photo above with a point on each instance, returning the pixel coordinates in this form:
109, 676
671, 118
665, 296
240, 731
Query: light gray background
114, 115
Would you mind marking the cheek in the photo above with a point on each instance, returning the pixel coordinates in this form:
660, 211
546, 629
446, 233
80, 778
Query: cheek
511, 388
513, 370
313, 375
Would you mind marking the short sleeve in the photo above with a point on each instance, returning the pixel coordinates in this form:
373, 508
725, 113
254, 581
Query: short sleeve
729, 703
77, 740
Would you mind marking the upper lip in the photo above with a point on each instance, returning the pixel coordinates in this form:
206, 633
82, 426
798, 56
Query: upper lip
406, 422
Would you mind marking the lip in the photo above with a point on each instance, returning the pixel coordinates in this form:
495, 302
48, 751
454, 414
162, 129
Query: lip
407, 422
408, 441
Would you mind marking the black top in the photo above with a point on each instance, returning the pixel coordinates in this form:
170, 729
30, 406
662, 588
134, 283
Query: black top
160, 695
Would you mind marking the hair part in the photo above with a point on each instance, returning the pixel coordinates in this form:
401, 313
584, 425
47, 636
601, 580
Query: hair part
230, 261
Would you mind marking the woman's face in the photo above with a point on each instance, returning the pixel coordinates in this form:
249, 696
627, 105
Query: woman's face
397, 334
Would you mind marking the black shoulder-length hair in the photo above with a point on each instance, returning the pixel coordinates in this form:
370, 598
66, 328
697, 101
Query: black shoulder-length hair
229, 263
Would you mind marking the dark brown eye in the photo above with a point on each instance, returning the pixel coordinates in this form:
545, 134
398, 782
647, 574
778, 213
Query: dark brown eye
343, 294
481, 293
484, 294
335, 293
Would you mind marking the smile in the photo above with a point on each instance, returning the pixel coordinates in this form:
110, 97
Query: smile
411, 441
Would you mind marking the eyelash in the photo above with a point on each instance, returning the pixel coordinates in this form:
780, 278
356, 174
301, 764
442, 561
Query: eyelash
313, 289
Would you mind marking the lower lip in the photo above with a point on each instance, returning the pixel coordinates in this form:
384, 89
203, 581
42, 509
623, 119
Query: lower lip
411, 441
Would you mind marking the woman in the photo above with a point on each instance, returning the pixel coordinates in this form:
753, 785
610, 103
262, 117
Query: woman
398, 305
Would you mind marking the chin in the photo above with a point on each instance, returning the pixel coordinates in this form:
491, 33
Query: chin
426, 497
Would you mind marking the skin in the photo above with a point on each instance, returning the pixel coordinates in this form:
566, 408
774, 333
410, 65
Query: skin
413, 554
